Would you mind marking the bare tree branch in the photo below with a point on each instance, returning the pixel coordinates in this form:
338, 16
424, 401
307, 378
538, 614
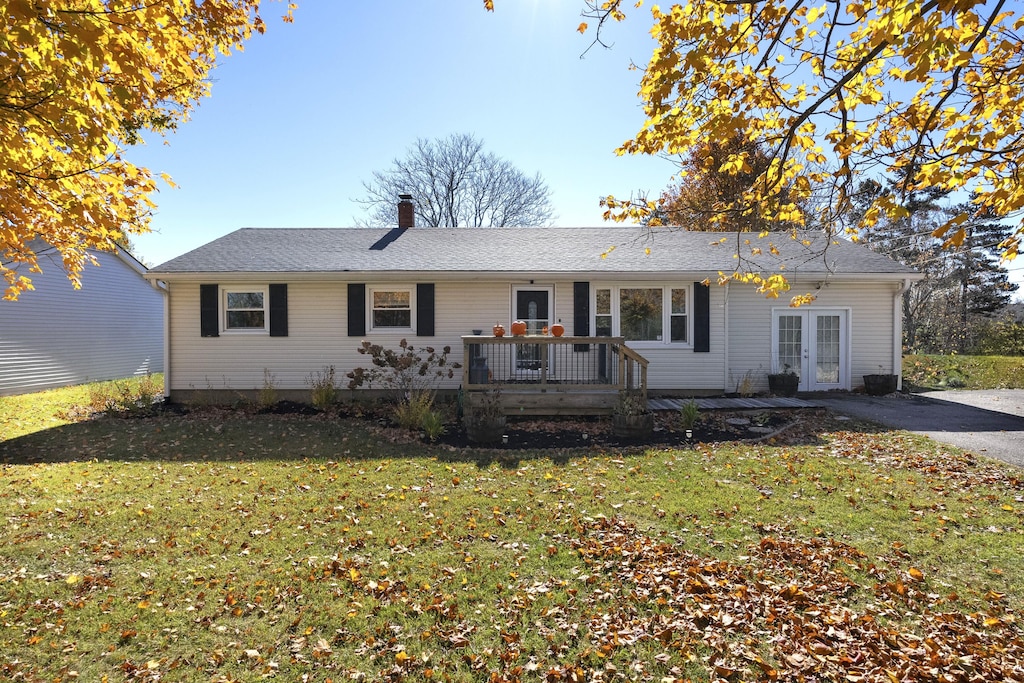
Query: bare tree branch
455, 183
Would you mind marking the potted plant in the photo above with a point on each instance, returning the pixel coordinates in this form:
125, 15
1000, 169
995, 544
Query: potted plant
881, 383
784, 383
631, 418
485, 418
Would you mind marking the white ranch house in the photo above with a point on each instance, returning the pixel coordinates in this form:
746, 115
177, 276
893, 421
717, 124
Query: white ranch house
285, 303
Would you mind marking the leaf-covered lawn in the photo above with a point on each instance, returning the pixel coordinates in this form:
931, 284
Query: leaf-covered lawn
963, 372
218, 546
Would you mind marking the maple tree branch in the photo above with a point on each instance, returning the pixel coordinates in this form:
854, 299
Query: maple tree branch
777, 38
950, 91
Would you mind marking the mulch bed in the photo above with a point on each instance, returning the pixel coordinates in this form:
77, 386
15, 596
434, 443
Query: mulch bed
777, 426
793, 426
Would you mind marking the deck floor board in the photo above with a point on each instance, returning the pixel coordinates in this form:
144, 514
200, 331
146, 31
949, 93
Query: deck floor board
739, 403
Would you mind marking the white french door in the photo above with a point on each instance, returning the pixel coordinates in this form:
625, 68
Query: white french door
814, 344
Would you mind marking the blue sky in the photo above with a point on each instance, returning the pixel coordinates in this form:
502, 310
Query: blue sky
309, 110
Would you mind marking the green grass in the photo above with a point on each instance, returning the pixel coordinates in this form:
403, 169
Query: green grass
963, 372
227, 546
28, 413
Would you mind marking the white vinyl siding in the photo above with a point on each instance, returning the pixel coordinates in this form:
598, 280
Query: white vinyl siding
317, 337
56, 335
317, 313
870, 321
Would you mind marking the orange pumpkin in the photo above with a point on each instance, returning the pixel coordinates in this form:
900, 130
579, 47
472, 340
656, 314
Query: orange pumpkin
499, 330
557, 329
518, 328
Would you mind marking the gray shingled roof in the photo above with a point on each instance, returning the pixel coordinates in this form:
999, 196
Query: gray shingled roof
519, 250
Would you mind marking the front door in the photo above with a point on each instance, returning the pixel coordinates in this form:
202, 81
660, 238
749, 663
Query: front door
813, 344
532, 305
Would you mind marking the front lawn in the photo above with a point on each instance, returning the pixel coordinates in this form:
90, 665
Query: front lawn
234, 546
963, 372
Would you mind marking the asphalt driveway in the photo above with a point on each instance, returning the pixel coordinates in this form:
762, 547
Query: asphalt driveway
988, 422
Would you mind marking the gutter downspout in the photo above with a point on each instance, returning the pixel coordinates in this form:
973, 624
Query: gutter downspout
726, 335
897, 339
165, 289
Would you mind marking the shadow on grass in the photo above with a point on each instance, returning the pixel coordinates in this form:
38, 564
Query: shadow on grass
213, 434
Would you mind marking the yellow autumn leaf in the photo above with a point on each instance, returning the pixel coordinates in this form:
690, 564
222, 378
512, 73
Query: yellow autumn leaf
82, 96
909, 90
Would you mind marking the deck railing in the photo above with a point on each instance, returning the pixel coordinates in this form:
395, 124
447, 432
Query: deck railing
553, 375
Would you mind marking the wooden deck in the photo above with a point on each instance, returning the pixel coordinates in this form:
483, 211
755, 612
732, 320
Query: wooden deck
751, 403
544, 375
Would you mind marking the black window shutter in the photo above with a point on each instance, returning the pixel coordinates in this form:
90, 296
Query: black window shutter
581, 313
701, 318
356, 310
278, 310
209, 318
425, 309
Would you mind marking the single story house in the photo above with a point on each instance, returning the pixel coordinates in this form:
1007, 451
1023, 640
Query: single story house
55, 335
282, 304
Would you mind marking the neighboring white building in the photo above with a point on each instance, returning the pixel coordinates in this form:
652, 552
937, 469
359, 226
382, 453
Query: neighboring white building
285, 303
55, 335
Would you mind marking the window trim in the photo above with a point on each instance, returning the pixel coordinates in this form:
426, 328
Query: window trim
409, 289
225, 290
666, 312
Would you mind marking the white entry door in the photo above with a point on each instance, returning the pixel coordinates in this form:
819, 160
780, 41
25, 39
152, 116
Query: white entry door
532, 305
813, 344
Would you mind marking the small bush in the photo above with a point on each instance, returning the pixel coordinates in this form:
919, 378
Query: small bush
689, 414
406, 372
433, 425
956, 382
129, 397
268, 392
1004, 338
324, 391
745, 385
409, 414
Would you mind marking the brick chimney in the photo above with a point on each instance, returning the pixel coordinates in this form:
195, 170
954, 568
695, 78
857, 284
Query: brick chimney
406, 211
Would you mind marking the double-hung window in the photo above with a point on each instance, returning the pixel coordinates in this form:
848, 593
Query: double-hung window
648, 314
245, 309
391, 308
679, 319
